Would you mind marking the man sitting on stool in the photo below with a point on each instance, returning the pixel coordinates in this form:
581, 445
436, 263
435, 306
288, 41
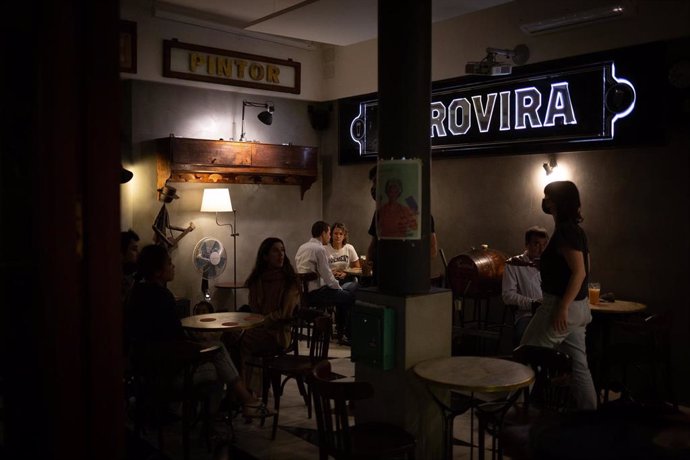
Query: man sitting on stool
522, 280
312, 257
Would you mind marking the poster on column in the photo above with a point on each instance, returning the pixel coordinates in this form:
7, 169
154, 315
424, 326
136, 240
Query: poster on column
398, 199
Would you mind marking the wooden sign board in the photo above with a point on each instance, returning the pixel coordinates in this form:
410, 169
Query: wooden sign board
226, 67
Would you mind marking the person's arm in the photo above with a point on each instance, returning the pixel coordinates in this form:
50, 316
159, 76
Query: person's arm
339, 274
509, 290
287, 307
433, 245
576, 262
354, 258
324, 270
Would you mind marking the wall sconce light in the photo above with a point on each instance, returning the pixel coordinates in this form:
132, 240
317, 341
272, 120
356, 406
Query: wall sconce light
218, 200
125, 175
265, 117
550, 165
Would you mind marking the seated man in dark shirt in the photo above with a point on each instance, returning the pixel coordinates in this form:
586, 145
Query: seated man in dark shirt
150, 318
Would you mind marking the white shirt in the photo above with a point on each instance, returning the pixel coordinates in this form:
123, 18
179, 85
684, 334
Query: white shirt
312, 257
521, 286
340, 259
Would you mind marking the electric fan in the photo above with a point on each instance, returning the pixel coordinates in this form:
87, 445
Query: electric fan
209, 259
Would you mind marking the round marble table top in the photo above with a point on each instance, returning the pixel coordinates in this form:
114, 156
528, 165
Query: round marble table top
222, 321
617, 307
475, 373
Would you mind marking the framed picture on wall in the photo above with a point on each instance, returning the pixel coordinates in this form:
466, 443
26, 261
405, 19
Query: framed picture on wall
128, 46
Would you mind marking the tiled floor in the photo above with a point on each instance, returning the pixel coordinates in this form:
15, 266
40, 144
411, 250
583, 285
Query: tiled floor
294, 434
296, 438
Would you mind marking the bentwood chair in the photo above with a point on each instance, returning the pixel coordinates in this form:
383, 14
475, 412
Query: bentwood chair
306, 304
641, 353
301, 322
156, 370
298, 367
341, 440
549, 395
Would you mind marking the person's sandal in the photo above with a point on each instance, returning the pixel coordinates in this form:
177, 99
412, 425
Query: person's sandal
257, 410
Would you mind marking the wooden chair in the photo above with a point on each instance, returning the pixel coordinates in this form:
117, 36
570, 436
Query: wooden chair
156, 371
641, 353
298, 367
550, 394
203, 307
341, 440
305, 304
302, 320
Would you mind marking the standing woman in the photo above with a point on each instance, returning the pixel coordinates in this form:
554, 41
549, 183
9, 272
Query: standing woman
561, 320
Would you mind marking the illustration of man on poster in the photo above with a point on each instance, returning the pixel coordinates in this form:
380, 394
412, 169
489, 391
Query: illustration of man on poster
398, 198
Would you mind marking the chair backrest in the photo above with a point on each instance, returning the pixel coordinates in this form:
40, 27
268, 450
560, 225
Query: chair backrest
643, 344
552, 370
331, 400
203, 308
304, 279
320, 337
302, 323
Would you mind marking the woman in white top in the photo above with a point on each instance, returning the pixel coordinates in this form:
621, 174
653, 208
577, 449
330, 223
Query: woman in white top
341, 254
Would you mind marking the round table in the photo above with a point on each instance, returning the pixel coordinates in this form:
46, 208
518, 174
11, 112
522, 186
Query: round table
473, 374
619, 307
606, 313
222, 321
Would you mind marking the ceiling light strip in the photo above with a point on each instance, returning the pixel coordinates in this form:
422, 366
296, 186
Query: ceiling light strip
578, 19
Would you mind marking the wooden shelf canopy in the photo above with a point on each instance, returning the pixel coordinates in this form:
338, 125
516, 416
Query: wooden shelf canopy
209, 161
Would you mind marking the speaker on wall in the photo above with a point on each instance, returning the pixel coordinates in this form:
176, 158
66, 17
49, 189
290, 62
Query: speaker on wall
319, 116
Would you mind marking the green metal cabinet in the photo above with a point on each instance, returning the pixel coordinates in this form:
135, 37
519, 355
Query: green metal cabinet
373, 335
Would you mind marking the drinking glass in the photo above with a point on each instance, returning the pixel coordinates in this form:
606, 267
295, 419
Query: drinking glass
594, 290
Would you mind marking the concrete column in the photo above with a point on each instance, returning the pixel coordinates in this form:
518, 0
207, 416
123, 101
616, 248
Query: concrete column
423, 317
404, 71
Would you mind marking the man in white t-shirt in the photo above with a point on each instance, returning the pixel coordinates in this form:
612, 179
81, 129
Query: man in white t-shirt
522, 280
324, 291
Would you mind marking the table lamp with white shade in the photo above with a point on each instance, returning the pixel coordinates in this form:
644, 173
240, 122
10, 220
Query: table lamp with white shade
218, 200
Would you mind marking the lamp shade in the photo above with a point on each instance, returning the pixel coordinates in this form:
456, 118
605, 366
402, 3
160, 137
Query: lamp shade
216, 200
265, 117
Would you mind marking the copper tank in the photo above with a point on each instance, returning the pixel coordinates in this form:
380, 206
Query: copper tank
477, 273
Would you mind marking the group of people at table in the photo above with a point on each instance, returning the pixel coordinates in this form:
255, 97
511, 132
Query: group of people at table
558, 288
274, 292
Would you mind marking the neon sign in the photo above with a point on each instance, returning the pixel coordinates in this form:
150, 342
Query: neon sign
580, 104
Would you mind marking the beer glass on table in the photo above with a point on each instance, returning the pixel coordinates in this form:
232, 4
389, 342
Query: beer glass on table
594, 290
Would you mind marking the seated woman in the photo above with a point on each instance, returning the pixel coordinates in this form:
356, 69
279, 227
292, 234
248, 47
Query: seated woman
341, 254
273, 292
150, 318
